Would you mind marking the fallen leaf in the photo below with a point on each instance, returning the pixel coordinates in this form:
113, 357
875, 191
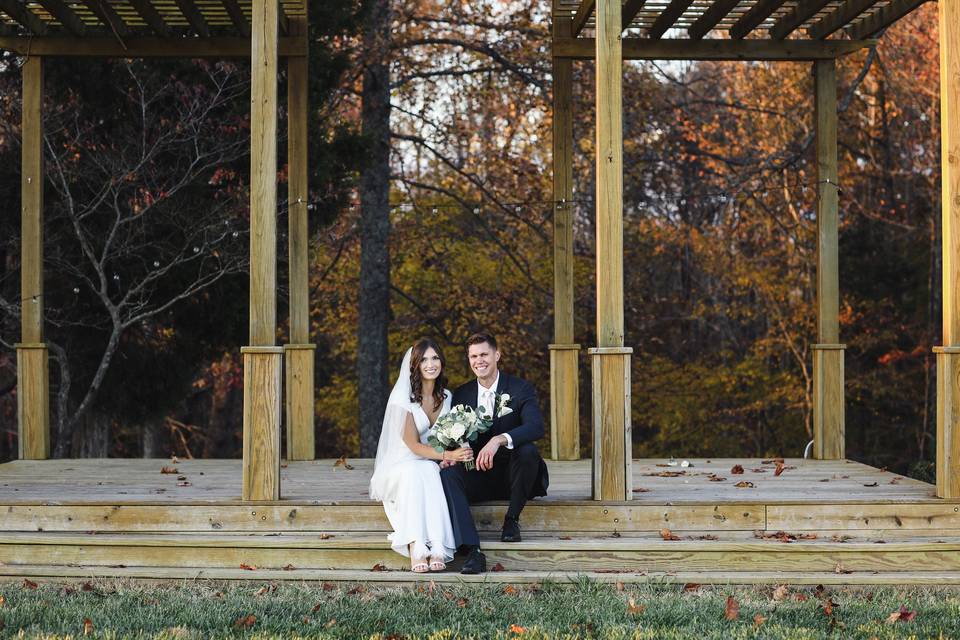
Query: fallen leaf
779, 469
714, 478
306, 619
342, 462
759, 470
174, 460
566, 538
706, 536
87, 587
902, 615
737, 469
781, 593
667, 474
691, 587
497, 567
181, 477
828, 606
356, 590
3, 601
330, 623
325, 536
732, 611
29, 584
316, 607
871, 484
87, 626
800, 597
462, 602
245, 622
169, 470
509, 590
772, 461
288, 567
620, 587
262, 591
758, 620
379, 567
183, 484
666, 534
743, 484
248, 567
818, 591
633, 608
841, 569
517, 629
641, 490
328, 586
839, 538
896, 481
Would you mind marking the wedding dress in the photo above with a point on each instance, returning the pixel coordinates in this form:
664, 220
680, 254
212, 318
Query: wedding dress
408, 485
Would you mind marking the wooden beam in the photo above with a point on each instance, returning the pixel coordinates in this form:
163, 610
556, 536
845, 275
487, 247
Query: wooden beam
711, 17
643, 49
152, 17
948, 356
33, 405
197, 22
882, 18
190, 47
109, 17
17, 10
752, 19
666, 19
790, 22
581, 16
828, 384
841, 17
65, 15
236, 16
630, 10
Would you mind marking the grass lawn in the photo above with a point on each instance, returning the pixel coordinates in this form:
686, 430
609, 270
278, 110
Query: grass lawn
117, 609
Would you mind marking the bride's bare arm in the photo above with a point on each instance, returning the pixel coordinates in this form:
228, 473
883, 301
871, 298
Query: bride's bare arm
412, 439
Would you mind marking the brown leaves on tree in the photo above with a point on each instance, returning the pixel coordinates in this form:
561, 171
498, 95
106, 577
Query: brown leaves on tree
732, 610
342, 462
666, 534
903, 615
737, 469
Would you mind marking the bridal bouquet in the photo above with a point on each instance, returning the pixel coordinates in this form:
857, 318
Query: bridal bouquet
460, 425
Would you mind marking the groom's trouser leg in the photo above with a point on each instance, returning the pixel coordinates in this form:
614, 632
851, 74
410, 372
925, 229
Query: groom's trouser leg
454, 480
524, 466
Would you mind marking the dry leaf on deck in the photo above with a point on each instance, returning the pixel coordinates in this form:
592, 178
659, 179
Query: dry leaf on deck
841, 569
342, 461
497, 567
184, 483
779, 469
288, 567
379, 567
781, 593
871, 484
174, 460
732, 611
634, 608
737, 469
714, 478
641, 490
172, 470
744, 484
666, 534
87, 626
245, 622
248, 567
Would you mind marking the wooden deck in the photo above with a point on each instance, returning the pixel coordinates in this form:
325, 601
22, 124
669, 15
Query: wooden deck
817, 521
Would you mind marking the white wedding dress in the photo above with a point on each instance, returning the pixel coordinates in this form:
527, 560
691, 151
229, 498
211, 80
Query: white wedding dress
408, 485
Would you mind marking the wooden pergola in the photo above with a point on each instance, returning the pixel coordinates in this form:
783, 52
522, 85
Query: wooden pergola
816, 31
266, 32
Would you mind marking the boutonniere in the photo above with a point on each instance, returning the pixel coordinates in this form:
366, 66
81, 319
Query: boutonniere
500, 405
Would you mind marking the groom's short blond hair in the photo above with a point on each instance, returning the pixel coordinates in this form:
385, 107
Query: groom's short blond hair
480, 338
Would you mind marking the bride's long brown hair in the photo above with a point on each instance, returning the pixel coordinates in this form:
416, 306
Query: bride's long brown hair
416, 379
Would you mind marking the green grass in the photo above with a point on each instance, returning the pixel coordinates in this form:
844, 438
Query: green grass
579, 610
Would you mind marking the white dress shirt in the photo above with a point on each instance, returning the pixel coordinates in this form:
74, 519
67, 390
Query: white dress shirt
486, 397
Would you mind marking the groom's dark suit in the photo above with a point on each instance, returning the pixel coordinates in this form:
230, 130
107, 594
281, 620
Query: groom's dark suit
517, 475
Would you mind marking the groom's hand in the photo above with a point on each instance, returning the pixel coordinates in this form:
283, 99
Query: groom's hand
485, 457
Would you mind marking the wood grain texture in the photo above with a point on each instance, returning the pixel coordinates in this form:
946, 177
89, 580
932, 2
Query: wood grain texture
262, 369
828, 278
33, 402
829, 430
563, 211
298, 191
882, 18
609, 164
263, 174
612, 442
948, 422
713, 49
298, 369
564, 402
31, 212
143, 47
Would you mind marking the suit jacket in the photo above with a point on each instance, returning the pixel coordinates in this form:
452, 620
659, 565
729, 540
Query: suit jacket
524, 424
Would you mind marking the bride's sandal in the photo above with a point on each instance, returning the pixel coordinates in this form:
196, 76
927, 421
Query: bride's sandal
417, 565
436, 564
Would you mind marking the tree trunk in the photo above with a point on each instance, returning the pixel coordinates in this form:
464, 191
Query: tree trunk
374, 308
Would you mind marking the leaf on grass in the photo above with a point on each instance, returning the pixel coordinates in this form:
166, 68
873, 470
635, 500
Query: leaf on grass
800, 597
177, 632
633, 608
245, 622
172, 470
328, 586
3, 601
379, 567
828, 607
87, 626
903, 615
29, 584
743, 484
517, 629
692, 587
248, 567
356, 590
737, 469
758, 620
666, 534
509, 590
870, 484
342, 462
497, 567
620, 587
262, 591
732, 611
781, 593
462, 602
87, 587
288, 567
330, 623
316, 607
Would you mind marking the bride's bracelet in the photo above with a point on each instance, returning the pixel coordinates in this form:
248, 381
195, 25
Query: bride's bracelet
443, 456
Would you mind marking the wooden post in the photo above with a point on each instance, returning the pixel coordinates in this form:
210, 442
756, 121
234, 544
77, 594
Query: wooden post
828, 395
33, 393
612, 459
564, 353
948, 356
262, 361
299, 353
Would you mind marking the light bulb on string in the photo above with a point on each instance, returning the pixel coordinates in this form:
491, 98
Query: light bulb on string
76, 290
156, 264
196, 249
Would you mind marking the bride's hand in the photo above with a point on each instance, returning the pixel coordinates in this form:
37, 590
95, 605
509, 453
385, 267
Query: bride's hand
463, 454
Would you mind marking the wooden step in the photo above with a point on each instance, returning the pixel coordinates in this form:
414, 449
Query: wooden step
535, 553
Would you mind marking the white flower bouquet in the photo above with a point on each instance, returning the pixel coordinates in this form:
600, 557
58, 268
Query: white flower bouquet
460, 425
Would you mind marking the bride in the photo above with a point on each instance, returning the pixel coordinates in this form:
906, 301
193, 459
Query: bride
405, 477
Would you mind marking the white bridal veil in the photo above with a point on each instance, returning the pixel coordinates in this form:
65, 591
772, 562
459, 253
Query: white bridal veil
391, 448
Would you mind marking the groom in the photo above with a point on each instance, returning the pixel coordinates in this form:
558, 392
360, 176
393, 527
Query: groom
508, 464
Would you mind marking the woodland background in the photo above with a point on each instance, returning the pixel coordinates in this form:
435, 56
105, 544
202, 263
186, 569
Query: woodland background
431, 214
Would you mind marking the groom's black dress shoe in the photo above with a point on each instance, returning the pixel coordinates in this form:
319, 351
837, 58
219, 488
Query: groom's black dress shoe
476, 562
511, 530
